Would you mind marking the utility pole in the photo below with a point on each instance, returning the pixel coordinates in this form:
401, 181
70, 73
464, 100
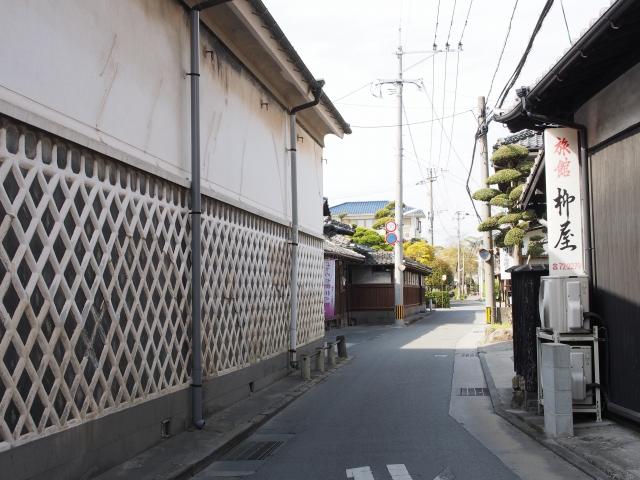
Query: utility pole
485, 209
459, 215
431, 177
398, 253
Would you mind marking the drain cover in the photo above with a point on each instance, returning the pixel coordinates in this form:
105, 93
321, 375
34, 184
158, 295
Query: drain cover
252, 450
469, 355
473, 392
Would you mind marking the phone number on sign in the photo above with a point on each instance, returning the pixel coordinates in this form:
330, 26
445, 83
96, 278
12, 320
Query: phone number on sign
567, 266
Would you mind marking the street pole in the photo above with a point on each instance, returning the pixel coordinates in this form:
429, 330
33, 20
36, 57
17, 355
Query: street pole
459, 215
397, 248
485, 209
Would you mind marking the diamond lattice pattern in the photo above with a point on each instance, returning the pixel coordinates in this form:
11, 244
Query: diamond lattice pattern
95, 286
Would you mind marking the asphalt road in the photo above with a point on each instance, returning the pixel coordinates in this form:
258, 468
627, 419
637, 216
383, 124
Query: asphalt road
395, 413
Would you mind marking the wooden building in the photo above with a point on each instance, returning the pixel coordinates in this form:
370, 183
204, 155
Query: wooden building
594, 89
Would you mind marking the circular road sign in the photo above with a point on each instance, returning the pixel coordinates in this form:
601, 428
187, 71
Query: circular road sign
391, 238
390, 226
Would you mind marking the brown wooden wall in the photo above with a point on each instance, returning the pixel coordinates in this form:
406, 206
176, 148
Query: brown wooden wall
615, 192
380, 296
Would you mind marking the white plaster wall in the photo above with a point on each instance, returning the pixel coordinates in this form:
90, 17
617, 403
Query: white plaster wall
613, 109
114, 72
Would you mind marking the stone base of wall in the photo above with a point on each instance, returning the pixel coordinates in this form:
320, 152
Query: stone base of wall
93, 447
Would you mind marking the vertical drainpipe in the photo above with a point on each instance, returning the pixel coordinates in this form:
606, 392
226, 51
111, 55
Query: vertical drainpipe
197, 411
293, 326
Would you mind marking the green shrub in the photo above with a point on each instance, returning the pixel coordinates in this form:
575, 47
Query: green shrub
501, 200
514, 237
514, 194
525, 167
510, 218
506, 175
440, 299
507, 154
485, 194
489, 224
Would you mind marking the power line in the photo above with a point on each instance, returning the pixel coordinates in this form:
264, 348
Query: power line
464, 27
442, 127
415, 150
444, 99
435, 35
523, 60
351, 93
453, 14
455, 98
566, 24
421, 122
504, 45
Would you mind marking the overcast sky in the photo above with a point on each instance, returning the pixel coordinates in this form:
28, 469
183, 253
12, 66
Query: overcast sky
351, 43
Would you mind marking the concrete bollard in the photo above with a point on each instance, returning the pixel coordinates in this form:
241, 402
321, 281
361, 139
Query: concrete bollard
305, 368
342, 346
331, 351
556, 384
320, 359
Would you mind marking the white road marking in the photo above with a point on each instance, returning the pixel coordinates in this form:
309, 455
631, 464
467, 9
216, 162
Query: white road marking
349, 345
399, 472
440, 355
360, 473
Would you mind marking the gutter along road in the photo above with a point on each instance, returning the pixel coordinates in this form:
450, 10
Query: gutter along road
412, 404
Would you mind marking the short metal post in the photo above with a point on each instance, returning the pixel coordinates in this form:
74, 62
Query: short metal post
305, 369
331, 351
342, 346
320, 359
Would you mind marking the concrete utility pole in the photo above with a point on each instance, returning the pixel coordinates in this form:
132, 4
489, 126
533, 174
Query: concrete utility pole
459, 215
428, 181
398, 254
485, 209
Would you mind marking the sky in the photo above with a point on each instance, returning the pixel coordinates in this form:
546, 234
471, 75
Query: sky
352, 44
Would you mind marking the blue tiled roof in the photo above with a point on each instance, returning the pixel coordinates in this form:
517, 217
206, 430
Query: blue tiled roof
362, 208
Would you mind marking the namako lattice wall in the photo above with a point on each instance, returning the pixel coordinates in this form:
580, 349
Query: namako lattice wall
95, 286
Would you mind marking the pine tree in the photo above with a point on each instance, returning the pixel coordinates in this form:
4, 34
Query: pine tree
512, 165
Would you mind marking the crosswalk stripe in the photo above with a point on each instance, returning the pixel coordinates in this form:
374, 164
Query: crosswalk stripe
360, 473
399, 472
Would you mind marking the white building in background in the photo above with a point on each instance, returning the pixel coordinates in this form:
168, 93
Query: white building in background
95, 231
363, 214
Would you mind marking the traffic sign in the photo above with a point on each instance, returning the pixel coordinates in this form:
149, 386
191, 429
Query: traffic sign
390, 226
391, 238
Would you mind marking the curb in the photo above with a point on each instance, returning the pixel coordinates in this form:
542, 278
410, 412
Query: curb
242, 432
589, 467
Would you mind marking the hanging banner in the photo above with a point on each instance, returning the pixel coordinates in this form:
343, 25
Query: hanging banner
329, 288
564, 202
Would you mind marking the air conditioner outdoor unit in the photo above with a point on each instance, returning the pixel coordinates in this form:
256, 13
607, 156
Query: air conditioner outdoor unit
562, 302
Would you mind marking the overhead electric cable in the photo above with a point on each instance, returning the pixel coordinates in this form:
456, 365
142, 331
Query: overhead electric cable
566, 24
442, 127
453, 14
523, 60
466, 20
415, 150
421, 122
504, 45
444, 100
351, 93
435, 35
455, 98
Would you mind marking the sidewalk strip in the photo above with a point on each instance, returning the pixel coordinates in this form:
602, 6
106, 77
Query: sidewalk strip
399, 472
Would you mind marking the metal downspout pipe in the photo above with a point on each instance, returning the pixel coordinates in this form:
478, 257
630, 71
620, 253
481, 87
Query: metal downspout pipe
293, 325
197, 410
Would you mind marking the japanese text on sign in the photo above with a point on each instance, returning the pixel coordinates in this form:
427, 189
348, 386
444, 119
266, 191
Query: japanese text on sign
564, 217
